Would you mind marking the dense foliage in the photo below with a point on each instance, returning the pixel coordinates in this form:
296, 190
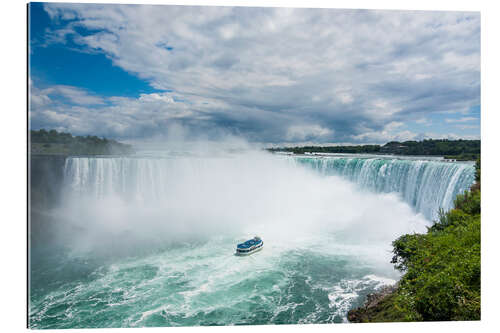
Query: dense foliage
436, 147
442, 268
442, 279
366, 149
53, 142
453, 149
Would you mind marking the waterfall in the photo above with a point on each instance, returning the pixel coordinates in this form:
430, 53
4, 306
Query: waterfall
426, 185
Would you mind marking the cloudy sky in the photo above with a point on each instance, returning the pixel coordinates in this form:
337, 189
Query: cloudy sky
269, 75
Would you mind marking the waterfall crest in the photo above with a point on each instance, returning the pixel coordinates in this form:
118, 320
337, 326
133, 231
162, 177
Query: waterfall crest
426, 185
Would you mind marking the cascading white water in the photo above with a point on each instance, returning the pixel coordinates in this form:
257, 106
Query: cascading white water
427, 185
229, 192
148, 240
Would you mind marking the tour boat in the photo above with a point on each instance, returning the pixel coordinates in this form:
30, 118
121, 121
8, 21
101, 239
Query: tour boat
250, 246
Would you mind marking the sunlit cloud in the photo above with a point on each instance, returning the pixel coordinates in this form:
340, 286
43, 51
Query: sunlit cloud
272, 74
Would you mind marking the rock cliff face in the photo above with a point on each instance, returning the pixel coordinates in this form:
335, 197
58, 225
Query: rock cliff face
373, 310
46, 176
46, 179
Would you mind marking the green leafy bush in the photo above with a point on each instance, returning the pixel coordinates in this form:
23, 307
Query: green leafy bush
442, 271
442, 279
442, 268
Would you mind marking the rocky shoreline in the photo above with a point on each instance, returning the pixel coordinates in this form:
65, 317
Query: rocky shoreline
374, 306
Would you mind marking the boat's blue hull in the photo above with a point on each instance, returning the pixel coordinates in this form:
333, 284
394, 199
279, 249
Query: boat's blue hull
241, 254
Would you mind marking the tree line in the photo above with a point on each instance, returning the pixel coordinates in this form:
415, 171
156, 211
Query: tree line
54, 142
454, 149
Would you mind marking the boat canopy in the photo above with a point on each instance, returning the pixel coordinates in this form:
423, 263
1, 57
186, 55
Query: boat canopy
249, 243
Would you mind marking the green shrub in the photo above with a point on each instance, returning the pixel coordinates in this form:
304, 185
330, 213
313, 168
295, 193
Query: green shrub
442, 268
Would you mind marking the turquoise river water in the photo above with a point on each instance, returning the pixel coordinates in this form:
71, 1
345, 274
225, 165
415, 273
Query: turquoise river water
149, 240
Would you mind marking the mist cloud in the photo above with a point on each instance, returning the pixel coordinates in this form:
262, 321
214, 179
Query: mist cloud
149, 201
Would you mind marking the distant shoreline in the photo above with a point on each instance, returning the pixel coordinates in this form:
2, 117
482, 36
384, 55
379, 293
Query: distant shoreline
53, 143
458, 150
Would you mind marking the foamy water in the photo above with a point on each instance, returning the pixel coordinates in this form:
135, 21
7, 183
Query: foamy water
149, 241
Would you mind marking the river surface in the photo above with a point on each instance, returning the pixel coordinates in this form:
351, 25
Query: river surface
148, 240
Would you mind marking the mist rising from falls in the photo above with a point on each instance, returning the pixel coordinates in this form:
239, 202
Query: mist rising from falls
424, 184
148, 240
158, 198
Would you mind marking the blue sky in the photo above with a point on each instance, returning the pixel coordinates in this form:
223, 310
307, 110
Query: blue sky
70, 64
268, 75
